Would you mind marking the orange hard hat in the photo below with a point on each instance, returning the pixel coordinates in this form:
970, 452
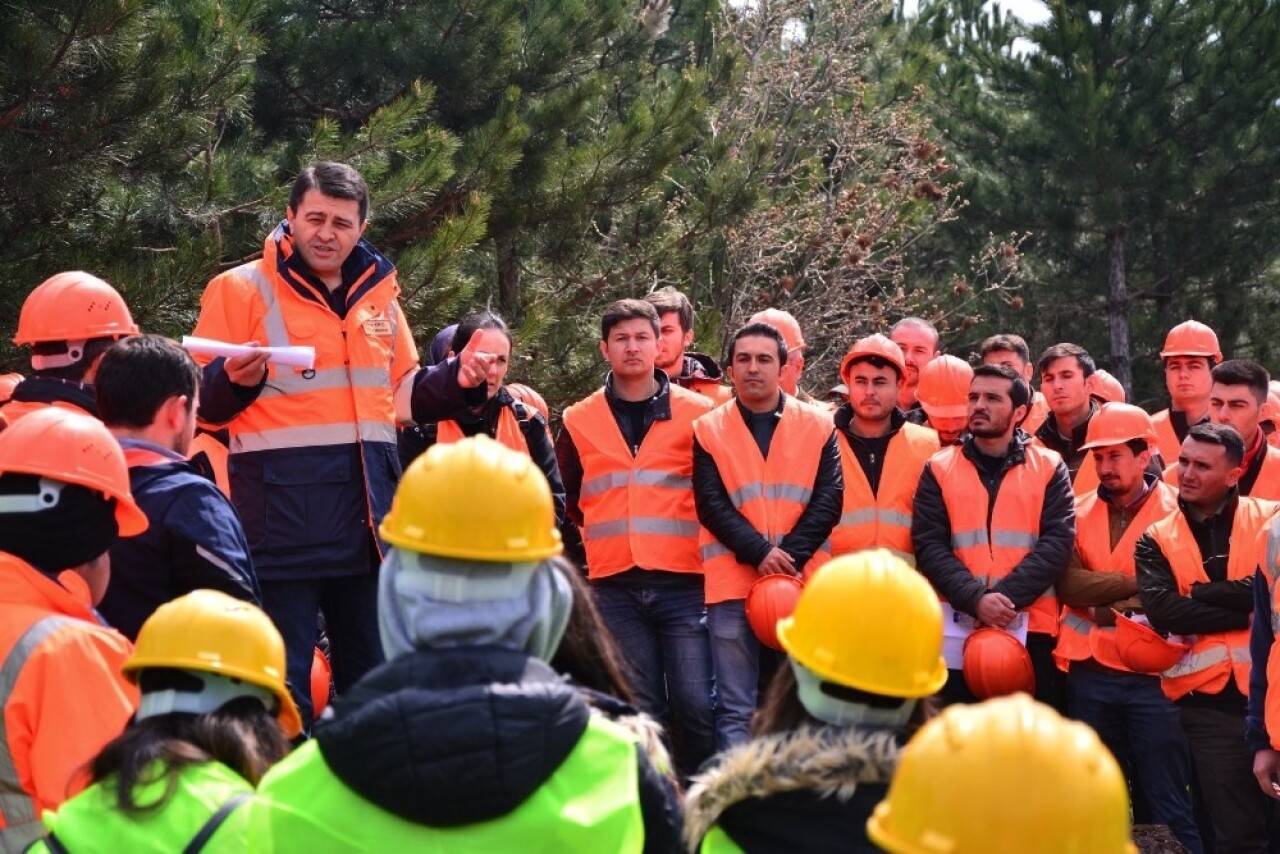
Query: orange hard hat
873, 345
770, 599
1106, 387
8, 382
784, 323
529, 397
1191, 338
71, 447
1117, 423
1143, 650
995, 664
944, 387
321, 677
73, 306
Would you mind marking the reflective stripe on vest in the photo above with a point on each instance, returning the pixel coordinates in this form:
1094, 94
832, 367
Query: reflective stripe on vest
882, 519
21, 824
771, 493
1014, 521
308, 436
637, 511
1214, 657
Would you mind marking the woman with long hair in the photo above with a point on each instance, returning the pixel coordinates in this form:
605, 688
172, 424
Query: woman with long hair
864, 652
215, 714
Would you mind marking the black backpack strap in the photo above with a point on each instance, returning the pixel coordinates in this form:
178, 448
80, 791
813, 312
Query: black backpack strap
215, 821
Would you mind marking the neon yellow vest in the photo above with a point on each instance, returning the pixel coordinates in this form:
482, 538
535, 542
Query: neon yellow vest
591, 803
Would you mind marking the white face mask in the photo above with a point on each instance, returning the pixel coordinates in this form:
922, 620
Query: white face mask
215, 692
828, 709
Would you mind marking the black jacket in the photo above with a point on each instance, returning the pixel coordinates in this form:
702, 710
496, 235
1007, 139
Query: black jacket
718, 515
1034, 574
463, 735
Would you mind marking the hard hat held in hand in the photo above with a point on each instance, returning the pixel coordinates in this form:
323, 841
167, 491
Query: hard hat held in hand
1006, 775
771, 598
1142, 649
996, 664
71, 447
73, 306
211, 632
869, 621
474, 499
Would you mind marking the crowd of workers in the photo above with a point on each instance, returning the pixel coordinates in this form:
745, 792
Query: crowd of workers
859, 622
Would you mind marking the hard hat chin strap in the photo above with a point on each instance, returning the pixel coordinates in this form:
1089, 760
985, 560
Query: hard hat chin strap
831, 710
45, 499
46, 362
215, 691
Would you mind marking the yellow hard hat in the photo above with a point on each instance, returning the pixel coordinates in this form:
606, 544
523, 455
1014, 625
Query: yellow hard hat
475, 500
952, 789
867, 620
211, 632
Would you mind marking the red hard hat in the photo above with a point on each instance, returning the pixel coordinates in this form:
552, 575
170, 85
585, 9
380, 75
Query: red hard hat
943, 391
1143, 650
321, 675
1191, 338
996, 664
873, 345
770, 599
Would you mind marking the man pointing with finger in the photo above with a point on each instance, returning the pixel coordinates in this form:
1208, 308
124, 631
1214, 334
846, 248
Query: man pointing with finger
313, 460
768, 487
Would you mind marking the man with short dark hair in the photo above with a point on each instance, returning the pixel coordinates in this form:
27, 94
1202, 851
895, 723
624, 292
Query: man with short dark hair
1236, 398
768, 489
920, 345
1189, 353
687, 369
626, 457
993, 525
147, 390
1196, 570
1064, 378
1012, 350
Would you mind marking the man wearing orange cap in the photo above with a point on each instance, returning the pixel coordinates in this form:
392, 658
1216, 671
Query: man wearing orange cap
64, 499
881, 453
919, 341
943, 394
68, 321
1012, 350
1065, 370
1238, 394
1190, 351
785, 323
1196, 570
1105, 388
687, 369
1127, 709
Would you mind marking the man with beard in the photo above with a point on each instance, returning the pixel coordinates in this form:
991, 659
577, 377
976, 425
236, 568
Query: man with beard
993, 525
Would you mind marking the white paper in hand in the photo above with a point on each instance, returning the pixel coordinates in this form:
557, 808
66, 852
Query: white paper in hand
293, 357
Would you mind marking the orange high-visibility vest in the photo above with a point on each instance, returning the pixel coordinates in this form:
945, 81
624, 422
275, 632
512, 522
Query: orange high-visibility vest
714, 390
992, 551
637, 510
509, 432
1037, 412
1272, 573
882, 519
216, 453
771, 493
1079, 637
1166, 438
1214, 657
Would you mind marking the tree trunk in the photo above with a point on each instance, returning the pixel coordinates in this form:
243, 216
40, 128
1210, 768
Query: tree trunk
1118, 312
509, 280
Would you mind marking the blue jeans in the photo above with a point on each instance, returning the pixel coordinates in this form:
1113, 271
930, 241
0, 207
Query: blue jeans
1141, 727
350, 606
662, 633
735, 658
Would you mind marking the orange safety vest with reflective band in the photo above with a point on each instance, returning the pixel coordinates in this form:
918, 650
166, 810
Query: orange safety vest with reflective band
1079, 637
1166, 438
637, 510
509, 432
991, 551
882, 519
1272, 573
771, 493
1214, 656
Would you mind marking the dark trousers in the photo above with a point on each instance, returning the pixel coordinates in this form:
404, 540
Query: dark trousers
1141, 727
1242, 817
350, 608
1048, 676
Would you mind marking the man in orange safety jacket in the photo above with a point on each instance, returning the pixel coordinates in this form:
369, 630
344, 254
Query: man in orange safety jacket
64, 498
1189, 353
